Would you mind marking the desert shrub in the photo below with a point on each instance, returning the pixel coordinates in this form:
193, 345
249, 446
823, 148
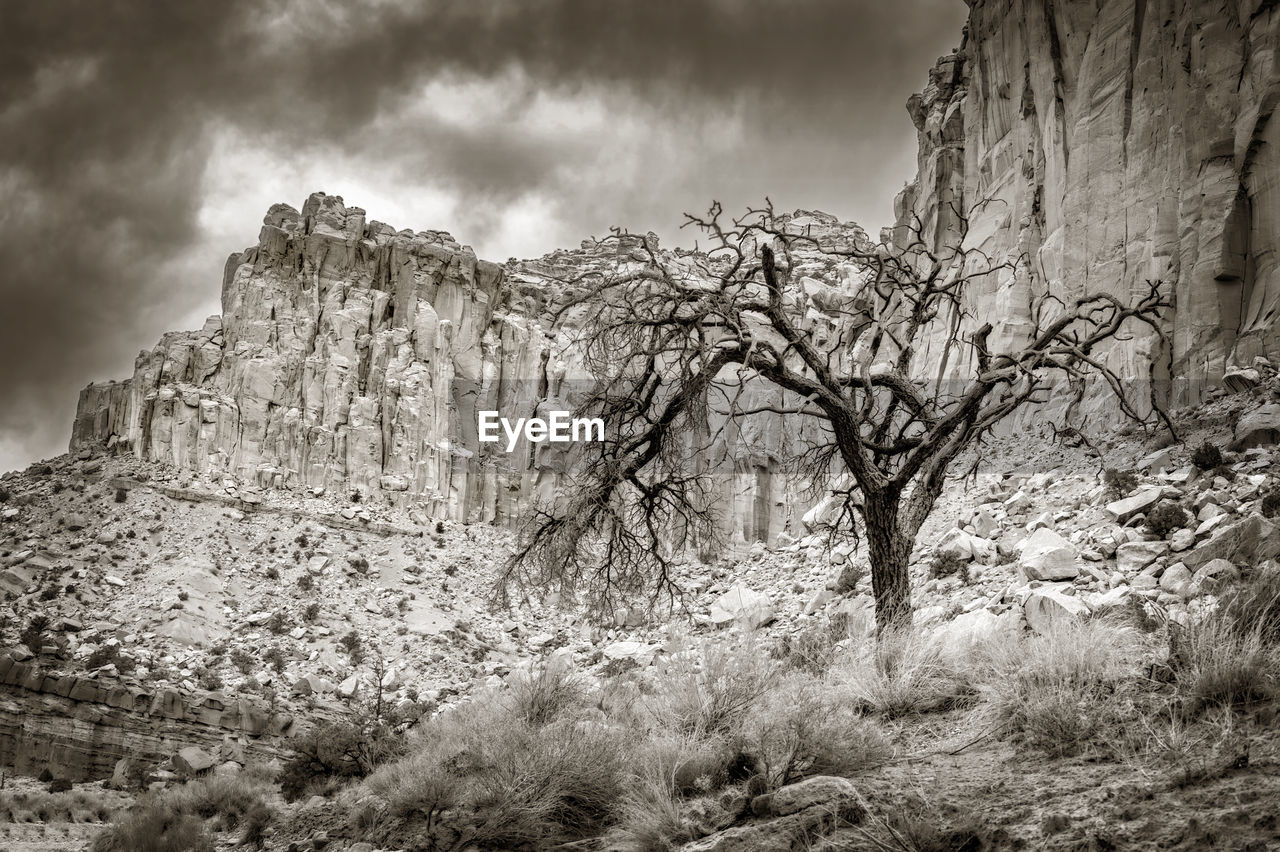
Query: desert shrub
276, 659
311, 612
709, 691
242, 660
59, 785
337, 751
306, 583
1230, 658
154, 827
949, 563
1166, 517
1064, 690
33, 634
546, 694
272, 572
513, 785
352, 644
110, 655
279, 623
1207, 456
209, 679
900, 675
1271, 503
1253, 606
1119, 483
850, 575
805, 728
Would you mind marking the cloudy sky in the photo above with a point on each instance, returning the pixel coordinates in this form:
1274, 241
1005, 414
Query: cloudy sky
141, 142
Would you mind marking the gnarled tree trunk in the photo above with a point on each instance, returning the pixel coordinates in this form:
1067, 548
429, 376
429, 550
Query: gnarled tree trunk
890, 554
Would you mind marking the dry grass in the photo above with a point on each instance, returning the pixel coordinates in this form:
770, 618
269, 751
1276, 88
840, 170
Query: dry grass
182, 818
1062, 691
903, 674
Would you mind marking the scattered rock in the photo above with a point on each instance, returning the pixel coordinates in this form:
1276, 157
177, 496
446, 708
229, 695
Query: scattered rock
1045, 555
1048, 604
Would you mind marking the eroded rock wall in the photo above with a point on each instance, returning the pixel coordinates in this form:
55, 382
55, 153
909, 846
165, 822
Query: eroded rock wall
78, 727
1107, 144
353, 358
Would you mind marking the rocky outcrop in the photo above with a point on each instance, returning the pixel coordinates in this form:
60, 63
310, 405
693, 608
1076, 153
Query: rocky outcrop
78, 727
353, 358
1103, 145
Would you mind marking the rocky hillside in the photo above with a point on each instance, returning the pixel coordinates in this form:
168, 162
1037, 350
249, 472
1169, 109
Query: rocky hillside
1105, 145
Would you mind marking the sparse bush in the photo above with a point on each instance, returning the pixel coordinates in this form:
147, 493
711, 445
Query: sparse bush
273, 573
1062, 691
153, 827
1207, 456
949, 563
543, 696
850, 575
514, 785
1271, 503
279, 623
337, 750
710, 691
276, 659
33, 634
805, 728
306, 583
1119, 483
352, 644
1230, 658
1166, 517
311, 612
242, 660
105, 655
900, 675
209, 679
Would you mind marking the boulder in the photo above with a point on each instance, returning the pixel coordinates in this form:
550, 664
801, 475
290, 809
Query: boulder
967, 546
1136, 555
1241, 379
1258, 428
1121, 511
1049, 604
193, 760
1212, 575
823, 791
1176, 580
1045, 555
744, 606
1252, 539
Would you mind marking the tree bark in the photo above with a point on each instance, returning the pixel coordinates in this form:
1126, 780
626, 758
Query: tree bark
890, 554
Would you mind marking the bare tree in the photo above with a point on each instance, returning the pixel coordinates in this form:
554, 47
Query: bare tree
674, 339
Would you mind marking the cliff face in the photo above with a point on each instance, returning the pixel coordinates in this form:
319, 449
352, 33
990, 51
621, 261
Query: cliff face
353, 358
78, 727
1094, 146
1108, 144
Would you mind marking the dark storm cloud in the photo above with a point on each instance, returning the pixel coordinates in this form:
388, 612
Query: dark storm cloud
108, 112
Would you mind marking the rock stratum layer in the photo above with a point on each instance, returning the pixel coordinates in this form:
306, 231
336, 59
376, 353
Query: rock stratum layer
1106, 144
1095, 146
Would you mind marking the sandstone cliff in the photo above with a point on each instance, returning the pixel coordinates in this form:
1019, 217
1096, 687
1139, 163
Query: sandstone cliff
1108, 144
353, 359
1096, 146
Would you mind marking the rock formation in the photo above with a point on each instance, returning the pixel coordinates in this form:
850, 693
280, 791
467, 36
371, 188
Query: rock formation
354, 359
78, 727
1108, 144
1097, 147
